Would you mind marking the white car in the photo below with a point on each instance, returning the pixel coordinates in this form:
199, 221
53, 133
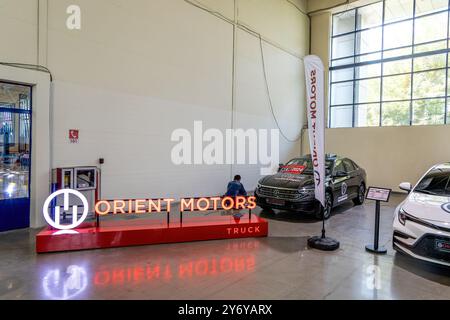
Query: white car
422, 220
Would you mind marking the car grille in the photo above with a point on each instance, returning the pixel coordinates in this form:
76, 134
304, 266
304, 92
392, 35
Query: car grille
426, 247
285, 194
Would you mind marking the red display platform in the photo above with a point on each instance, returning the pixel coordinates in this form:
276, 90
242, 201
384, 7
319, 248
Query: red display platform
122, 233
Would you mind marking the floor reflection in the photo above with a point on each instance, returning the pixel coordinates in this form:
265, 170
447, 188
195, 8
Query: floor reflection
138, 274
280, 266
64, 284
64, 280
372, 279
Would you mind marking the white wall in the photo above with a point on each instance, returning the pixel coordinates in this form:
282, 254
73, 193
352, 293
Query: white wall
139, 69
18, 30
133, 74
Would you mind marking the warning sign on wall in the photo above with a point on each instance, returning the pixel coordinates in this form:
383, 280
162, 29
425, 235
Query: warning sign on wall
74, 135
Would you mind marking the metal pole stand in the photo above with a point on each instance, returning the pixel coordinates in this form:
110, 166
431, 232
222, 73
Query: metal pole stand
323, 242
375, 248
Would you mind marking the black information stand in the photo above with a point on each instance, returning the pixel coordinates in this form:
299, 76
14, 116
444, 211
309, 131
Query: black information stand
378, 195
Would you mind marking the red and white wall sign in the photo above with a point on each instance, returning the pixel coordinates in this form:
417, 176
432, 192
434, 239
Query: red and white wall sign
74, 135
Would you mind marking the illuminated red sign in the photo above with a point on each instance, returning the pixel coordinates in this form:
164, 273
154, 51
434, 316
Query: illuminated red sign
139, 206
80, 235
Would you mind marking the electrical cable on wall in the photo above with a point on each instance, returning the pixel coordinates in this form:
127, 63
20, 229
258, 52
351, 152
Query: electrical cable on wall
28, 66
215, 13
259, 36
242, 26
269, 97
233, 78
298, 8
347, 2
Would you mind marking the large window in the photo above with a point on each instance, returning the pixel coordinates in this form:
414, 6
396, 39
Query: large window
390, 65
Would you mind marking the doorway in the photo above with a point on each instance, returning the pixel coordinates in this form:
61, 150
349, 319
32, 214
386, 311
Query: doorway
15, 155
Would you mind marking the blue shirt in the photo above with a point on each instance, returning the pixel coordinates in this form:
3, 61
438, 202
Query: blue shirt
235, 188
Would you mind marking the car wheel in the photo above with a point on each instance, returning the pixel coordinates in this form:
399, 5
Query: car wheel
328, 207
359, 200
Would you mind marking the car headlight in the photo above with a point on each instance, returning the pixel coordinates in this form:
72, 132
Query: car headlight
308, 191
402, 216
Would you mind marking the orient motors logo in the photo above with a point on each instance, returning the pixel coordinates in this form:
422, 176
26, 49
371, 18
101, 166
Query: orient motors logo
55, 219
446, 207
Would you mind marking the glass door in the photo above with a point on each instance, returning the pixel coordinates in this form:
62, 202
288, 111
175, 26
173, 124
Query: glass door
15, 156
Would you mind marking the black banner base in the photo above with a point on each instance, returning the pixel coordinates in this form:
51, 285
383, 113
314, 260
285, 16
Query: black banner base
379, 250
323, 243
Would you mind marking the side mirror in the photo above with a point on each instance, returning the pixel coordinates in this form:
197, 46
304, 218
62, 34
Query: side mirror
340, 174
405, 186
280, 165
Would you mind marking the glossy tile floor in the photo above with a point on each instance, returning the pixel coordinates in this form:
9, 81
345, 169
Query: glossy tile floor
277, 267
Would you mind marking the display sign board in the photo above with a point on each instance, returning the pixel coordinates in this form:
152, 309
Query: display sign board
74, 233
378, 194
136, 206
292, 169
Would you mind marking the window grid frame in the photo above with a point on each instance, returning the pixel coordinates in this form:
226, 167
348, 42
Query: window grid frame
382, 60
446, 65
380, 118
411, 104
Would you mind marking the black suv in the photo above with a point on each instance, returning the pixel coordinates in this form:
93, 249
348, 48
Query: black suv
292, 188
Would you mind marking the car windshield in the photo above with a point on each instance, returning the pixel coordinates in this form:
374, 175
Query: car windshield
436, 182
307, 163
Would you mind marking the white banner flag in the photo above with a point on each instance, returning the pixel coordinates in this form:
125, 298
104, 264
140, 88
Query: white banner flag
314, 73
